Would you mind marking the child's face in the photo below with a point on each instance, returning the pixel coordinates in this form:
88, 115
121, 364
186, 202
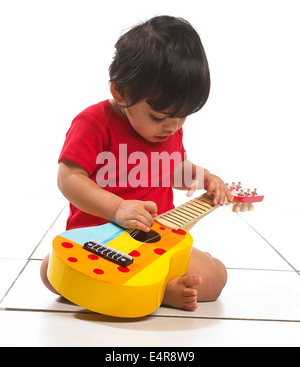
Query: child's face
155, 127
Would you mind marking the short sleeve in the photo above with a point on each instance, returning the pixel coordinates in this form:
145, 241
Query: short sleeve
85, 139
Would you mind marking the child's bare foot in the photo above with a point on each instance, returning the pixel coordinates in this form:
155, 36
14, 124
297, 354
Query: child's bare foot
181, 294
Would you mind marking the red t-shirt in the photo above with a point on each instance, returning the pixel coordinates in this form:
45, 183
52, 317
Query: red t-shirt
120, 161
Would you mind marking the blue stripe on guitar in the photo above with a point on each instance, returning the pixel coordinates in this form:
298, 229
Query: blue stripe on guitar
104, 234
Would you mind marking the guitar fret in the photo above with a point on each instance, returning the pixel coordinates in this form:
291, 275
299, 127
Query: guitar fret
208, 201
193, 211
173, 223
177, 216
193, 214
167, 223
176, 219
201, 205
196, 208
188, 213
207, 205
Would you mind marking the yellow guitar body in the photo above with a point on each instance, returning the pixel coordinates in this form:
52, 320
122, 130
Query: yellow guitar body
135, 288
102, 286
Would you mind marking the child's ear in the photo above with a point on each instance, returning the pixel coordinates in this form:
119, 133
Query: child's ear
114, 89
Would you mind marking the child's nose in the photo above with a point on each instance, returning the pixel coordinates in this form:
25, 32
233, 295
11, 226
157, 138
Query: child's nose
172, 127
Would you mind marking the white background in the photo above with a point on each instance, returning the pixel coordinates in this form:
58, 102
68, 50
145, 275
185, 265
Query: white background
54, 63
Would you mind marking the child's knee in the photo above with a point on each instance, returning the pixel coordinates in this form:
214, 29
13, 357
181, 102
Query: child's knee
43, 274
214, 280
44, 268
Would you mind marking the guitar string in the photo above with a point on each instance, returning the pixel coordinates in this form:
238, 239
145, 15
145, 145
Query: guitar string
161, 235
134, 232
119, 239
132, 236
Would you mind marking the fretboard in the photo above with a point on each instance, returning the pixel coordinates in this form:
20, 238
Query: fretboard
188, 213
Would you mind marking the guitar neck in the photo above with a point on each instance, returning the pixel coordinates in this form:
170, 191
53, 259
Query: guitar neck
188, 213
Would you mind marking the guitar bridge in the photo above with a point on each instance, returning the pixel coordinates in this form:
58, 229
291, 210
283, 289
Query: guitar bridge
108, 253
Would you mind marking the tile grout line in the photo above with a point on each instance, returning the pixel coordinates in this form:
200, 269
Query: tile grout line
283, 258
149, 316
29, 258
45, 234
13, 283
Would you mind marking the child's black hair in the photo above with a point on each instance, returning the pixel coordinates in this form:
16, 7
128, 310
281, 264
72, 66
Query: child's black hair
163, 62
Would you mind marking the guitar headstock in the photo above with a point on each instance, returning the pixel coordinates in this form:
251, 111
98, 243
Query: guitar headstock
243, 198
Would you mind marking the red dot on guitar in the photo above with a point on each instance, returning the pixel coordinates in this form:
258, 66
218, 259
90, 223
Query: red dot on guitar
162, 228
179, 231
98, 271
159, 251
67, 245
134, 253
93, 257
123, 270
72, 259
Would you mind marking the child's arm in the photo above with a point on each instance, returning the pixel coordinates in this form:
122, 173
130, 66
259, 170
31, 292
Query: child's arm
86, 195
194, 178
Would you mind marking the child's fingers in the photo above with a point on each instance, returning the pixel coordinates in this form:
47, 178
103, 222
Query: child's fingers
211, 188
142, 222
138, 225
145, 220
151, 207
136, 214
228, 195
221, 194
192, 189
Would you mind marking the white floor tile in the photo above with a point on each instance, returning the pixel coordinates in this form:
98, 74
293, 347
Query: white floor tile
279, 224
249, 294
227, 237
252, 294
58, 227
270, 293
9, 270
38, 329
29, 293
25, 221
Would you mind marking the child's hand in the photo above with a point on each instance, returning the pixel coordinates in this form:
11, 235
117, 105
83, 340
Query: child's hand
136, 214
214, 185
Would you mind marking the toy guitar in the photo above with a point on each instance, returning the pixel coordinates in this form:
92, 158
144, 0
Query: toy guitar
124, 273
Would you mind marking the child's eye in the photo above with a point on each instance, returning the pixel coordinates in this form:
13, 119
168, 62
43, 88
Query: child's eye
155, 119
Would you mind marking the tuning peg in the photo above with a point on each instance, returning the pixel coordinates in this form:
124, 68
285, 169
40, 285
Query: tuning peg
254, 192
236, 207
241, 192
250, 207
244, 208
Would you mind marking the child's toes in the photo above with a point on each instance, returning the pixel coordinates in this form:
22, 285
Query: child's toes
191, 281
187, 292
191, 306
190, 299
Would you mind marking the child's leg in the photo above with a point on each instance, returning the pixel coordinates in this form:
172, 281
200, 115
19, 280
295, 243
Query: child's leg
204, 282
43, 273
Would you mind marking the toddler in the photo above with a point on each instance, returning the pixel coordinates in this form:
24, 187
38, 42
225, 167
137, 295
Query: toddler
120, 156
